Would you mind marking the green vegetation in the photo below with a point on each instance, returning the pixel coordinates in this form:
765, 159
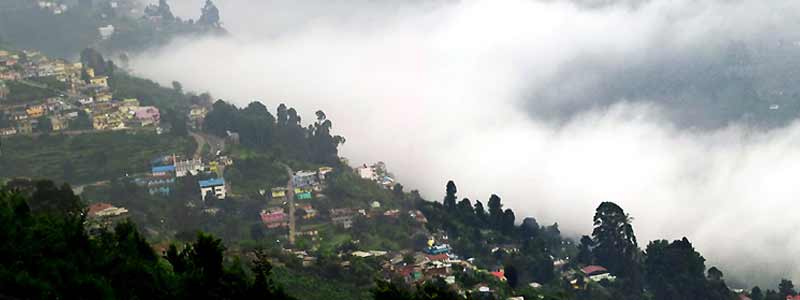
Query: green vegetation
51, 82
260, 130
254, 172
29, 27
25, 25
22, 92
149, 92
87, 157
52, 256
311, 286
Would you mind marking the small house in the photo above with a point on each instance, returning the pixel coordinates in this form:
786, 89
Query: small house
279, 193
148, 115
274, 217
215, 185
163, 170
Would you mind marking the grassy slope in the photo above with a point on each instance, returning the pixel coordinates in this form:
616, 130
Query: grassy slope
96, 156
23, 93
312, 287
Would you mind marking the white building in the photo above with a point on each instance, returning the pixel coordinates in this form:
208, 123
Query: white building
186, 167
367, 172
214, 185
106, 32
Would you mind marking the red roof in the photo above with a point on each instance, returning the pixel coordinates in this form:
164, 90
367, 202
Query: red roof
790, 297
440, 257
499, 274
407, 270
98, 207
594, 269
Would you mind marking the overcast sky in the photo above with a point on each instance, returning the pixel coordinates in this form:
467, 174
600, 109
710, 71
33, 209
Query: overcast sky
664, 107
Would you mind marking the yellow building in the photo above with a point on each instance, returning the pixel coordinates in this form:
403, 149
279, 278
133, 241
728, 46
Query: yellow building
131, 102
104, 96
99, 81
128, 107
278, 193
35, 111
90, 72
100, 122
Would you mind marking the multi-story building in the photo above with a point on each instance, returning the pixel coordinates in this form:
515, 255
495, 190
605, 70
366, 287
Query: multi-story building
342, 217
215, 185
188, 167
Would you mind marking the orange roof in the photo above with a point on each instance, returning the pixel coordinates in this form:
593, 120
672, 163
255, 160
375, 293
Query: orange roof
500, 275
98, 207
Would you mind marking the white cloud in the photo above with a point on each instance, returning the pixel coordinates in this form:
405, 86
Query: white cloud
436, 91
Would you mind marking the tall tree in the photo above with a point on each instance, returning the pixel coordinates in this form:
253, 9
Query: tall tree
165, 11
507, 225
465, 209
512, 276
91, 58
529, 228
675, 270
480, 212
283, 115
616, 247
756, 293
786, 288
450, 196
209, 15
495, 211
585, 256
716, 289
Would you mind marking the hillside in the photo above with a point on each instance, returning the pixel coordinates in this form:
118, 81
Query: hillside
116, 187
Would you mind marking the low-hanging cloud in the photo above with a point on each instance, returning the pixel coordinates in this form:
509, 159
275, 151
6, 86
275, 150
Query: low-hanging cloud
468, 90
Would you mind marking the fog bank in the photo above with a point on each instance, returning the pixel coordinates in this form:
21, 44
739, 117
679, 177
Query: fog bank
555, 106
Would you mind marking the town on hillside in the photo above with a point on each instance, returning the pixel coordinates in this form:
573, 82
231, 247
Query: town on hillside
40, 95
115, 186
315, 214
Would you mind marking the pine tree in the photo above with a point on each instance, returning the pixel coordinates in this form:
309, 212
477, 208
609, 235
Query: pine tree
450, 197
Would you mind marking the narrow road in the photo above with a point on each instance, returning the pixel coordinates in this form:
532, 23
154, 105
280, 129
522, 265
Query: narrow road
214, 143
290, 195
78, 189
200, 141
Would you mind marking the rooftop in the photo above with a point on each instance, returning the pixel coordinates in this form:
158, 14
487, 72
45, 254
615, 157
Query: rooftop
161, 169
211, 182
594, 269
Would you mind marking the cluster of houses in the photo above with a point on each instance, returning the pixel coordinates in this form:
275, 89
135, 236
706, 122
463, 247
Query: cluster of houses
104, 215
164, 170
53, 7
306, 184
32, 64
86, 93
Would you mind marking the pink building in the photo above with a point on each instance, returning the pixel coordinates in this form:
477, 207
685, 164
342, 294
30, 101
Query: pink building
148, 115
274, 217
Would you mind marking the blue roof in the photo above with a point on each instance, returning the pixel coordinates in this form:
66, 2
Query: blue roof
211, 182
162, 169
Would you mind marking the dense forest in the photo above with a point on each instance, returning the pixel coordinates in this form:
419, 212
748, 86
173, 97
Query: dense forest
49, 254
259, 129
